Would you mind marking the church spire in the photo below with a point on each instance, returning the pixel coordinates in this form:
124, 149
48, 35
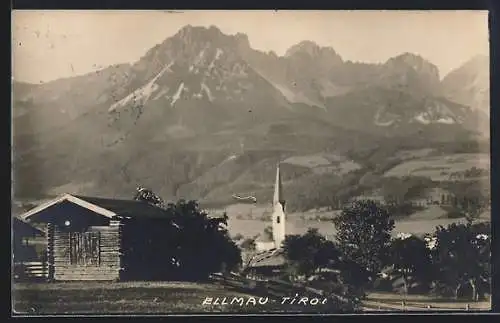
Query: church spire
278, 188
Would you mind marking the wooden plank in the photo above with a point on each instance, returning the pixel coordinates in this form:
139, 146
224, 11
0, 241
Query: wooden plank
83, 274
75, 274
109, 249
88, 277
111, 278
112, 273
103, 228
110, 257
88, 269
50, 247
99, 248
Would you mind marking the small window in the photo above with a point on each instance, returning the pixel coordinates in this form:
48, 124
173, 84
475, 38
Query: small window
278, 219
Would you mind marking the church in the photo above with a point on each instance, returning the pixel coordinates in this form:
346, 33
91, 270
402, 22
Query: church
269, 261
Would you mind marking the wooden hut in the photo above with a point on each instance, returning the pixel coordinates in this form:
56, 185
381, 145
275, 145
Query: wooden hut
22, 234
266, 265
90, 238
28, 264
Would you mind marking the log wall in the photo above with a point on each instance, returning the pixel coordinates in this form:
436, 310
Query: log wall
103, 266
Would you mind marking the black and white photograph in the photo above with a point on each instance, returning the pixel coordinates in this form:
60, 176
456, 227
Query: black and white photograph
193, 162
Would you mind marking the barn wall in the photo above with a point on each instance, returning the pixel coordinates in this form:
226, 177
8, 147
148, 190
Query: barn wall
107, 266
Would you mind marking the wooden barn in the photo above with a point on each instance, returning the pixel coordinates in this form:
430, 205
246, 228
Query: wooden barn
28, 264
90, 238
22, 235
266, 265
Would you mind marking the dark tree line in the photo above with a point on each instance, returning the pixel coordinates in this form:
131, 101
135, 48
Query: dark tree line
447, 261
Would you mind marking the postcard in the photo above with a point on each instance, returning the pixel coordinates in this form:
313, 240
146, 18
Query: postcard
236, 162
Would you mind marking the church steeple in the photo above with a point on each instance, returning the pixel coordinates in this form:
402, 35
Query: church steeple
278, 189
278, 217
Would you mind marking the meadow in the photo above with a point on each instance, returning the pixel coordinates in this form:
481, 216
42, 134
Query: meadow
439, 168
164, 298
415, 302
118, 298
324, 163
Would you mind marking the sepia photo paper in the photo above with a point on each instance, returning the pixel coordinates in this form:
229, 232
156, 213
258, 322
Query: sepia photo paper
250, 162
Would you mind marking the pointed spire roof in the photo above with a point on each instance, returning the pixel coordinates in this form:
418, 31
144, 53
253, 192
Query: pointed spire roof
278, 188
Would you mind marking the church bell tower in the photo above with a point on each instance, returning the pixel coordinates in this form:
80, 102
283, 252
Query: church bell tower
279, 216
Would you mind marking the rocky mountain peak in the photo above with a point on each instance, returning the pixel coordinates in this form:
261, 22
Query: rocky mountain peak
175, 118
242, 40
415, 62
412, 72
313, 50
306, 46
469, 84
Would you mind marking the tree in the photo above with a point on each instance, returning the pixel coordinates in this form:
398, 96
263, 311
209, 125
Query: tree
410, 259
248, 248
191, 247
248, 244
462, 256
147, 195
204, 245
364, 234
471, 209
353, 277
308, 253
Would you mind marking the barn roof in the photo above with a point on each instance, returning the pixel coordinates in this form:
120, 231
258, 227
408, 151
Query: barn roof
128, 208
24, 229
109, 208
271, 258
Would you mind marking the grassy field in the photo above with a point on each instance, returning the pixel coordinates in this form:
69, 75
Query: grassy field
392, 301
180, 297
324, 163
108, 297
439, 168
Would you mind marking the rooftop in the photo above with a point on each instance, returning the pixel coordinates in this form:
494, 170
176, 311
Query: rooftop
106, 207
126, 208
24, 229
270, 258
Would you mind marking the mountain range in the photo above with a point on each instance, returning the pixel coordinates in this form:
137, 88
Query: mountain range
203, 115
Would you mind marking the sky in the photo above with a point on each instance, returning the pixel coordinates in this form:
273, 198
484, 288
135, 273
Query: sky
48, 45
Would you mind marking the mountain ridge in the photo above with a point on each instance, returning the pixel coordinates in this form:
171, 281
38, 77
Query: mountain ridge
203, 106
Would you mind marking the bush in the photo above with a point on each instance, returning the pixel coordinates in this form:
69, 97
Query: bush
382, 285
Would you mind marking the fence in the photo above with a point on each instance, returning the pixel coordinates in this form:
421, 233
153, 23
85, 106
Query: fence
35, 270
